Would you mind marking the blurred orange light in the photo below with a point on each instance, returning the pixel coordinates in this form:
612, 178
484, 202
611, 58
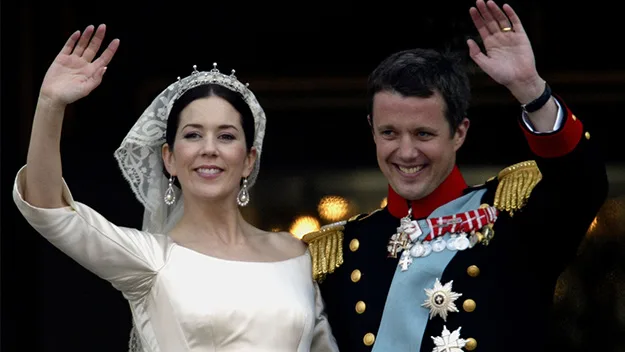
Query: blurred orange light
333, 208
303, 225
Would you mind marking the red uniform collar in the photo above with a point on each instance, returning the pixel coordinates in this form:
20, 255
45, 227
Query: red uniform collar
450, 189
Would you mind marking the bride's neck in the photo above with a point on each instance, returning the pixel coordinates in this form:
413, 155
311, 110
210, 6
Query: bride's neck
219, 220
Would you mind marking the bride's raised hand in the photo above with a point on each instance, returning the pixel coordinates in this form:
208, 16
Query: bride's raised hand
74, 73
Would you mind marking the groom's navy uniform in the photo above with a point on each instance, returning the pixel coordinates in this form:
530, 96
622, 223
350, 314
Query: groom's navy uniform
472, 268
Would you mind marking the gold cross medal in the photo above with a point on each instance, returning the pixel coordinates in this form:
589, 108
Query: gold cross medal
407, 232
397, 243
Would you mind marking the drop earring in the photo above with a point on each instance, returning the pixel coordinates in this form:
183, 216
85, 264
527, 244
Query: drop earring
243, 197
170, 195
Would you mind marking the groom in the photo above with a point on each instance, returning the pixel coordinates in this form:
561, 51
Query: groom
444, 266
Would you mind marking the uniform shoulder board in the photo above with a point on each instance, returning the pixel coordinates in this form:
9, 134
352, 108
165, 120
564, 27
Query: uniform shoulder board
515, 184
358, 217
326, 249
363, 216
326, 246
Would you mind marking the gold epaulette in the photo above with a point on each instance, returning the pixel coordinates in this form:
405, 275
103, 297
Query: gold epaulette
516, 183
326, 249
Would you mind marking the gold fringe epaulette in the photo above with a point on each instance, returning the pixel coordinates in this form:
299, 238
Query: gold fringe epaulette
326, 250
516, 183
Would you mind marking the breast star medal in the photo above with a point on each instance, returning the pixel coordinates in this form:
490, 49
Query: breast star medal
449, 341
440, 300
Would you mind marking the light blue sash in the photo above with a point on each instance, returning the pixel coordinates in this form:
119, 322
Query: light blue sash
404, 319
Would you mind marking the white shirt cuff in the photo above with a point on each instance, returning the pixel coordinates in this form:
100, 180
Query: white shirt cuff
556, 126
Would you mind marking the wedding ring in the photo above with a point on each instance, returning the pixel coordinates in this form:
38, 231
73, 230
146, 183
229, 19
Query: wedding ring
506, 29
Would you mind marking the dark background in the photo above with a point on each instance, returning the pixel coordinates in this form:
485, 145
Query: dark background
307, 62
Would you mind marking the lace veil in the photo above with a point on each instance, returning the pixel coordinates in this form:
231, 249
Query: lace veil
140, 159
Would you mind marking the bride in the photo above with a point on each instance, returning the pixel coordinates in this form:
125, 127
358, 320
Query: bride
197, 276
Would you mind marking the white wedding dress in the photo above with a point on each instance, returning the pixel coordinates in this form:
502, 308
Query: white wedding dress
182, 300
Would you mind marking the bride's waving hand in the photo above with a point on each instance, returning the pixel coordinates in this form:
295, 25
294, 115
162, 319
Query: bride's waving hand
72, 75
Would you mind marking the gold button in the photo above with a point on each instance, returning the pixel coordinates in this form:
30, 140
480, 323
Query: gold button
574, 118
356, 274
587, 135
473, 271
469, 305
360, 307
353, 245
471, 344
485, 205
369, 339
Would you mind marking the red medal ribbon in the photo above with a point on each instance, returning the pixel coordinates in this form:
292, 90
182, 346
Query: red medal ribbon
472, 220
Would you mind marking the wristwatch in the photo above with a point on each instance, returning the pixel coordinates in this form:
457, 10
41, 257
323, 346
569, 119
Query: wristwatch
538, 102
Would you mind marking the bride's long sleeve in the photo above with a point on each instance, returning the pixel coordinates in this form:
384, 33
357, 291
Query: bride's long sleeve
323, 340
128, 258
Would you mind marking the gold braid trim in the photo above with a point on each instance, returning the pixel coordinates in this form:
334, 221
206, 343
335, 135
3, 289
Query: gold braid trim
516, 183
326, 250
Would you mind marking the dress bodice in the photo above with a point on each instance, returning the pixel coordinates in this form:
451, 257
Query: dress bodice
233, 306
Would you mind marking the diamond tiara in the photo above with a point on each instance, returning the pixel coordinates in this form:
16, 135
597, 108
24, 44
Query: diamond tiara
198, 78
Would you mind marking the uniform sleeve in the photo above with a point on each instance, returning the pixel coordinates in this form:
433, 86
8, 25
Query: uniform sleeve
560, 142
323, 340
125, 257
572, 190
